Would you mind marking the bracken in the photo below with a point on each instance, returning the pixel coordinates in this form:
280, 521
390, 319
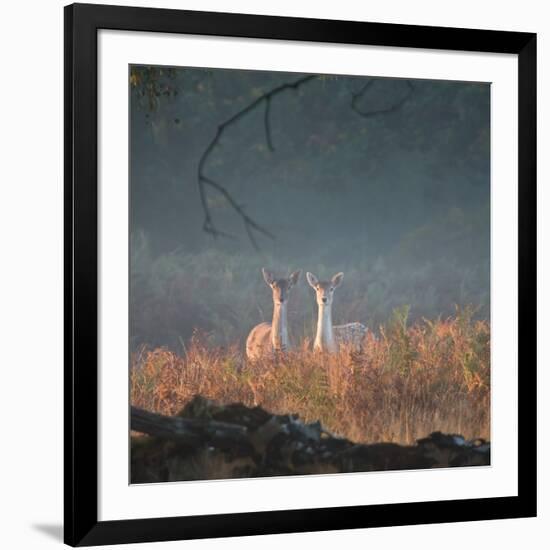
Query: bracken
404, 383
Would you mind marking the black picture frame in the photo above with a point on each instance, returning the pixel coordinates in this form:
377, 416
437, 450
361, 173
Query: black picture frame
81, 25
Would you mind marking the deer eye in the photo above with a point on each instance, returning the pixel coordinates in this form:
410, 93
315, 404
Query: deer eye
332, 289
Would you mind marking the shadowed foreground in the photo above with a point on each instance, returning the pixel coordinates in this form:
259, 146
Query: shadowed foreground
206, 440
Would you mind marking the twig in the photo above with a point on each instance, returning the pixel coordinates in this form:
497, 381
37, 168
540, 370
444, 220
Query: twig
267, 124
367, 114
203, 181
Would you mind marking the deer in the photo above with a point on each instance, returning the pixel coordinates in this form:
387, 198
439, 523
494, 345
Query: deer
268, 338
328, 337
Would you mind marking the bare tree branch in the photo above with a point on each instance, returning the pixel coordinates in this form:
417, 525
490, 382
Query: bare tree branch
250, 225
204, 181
356, 97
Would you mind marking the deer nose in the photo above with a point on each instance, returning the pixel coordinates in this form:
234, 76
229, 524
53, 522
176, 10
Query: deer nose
324, 300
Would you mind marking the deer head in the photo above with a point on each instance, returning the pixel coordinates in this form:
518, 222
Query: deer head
324, 290
280, 287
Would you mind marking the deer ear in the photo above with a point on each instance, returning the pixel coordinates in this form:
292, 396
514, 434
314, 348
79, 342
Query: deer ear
293, 279
268, 276
337, 279
311, 279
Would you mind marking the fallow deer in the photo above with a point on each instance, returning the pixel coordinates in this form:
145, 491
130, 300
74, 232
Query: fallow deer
328, 337
266, 338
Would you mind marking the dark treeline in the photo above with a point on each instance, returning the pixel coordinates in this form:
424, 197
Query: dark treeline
399, 201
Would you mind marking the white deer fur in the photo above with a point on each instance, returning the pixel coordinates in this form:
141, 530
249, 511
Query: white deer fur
329, 337
266, 338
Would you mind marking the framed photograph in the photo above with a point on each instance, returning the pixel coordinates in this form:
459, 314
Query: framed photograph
300, 274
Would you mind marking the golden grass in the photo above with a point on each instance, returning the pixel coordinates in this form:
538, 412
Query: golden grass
405, 383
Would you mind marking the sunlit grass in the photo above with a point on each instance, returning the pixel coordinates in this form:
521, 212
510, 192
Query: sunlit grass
406, 382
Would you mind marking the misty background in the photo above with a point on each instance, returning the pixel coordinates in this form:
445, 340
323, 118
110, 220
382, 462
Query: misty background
399, 201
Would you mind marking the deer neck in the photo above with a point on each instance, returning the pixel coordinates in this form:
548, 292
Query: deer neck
324, 339
279, 328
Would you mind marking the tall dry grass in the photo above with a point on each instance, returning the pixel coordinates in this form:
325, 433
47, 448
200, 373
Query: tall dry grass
406, 382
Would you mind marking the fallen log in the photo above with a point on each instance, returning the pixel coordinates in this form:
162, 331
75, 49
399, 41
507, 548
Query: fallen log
207, 440
187, 430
